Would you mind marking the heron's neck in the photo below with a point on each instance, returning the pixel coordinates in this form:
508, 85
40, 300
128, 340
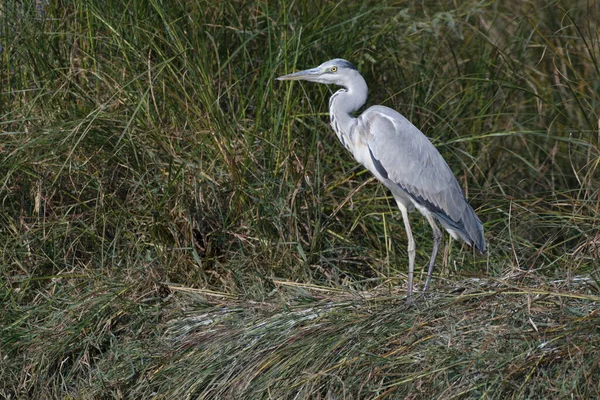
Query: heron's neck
343, 103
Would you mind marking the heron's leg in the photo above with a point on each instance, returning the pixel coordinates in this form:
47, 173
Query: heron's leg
411, 250
437, 240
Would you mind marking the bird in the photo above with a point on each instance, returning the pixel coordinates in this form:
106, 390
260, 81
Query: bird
401, 157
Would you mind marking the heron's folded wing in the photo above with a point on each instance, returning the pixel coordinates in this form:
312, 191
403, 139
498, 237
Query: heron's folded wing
409, 160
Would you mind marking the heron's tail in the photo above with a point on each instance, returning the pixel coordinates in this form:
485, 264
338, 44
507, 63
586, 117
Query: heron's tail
473, 230
469, 228
478, 238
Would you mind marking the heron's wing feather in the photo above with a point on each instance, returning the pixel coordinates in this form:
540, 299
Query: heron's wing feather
413, 163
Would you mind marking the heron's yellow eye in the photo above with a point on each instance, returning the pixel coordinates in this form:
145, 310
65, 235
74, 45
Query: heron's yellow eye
333, 69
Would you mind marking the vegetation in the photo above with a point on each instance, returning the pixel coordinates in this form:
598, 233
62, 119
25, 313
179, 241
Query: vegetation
176, 224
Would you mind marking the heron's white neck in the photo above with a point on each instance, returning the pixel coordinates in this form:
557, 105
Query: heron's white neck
344, 102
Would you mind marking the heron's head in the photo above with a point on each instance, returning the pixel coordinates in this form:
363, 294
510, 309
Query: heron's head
338, 71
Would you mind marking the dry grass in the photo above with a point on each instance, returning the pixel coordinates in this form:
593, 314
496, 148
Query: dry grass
476, 338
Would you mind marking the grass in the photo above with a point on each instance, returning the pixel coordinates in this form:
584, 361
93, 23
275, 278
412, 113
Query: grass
175, 223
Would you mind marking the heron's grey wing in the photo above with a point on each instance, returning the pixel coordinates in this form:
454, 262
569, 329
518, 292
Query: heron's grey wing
406, 157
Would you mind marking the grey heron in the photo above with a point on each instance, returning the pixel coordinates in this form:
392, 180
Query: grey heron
401, 157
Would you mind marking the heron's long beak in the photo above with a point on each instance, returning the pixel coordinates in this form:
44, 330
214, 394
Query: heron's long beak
306, 75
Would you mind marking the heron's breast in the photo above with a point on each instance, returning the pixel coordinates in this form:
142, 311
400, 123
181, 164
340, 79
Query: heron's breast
344, 139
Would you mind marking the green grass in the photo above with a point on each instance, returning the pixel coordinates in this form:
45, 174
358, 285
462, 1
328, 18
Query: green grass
176, 224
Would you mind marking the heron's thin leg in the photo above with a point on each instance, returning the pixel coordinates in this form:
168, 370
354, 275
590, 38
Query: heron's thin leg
437, 240
411, 250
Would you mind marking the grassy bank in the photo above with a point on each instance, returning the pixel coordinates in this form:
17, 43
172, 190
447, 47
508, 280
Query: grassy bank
174, 222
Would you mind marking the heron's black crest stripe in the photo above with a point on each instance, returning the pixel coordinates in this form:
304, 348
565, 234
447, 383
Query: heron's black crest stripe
346, 64
378, 166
